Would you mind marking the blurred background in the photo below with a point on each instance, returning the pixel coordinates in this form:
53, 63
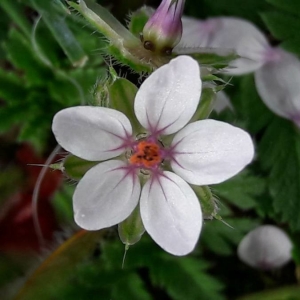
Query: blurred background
40, 74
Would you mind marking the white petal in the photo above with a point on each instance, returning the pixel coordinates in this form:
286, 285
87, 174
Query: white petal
209, 152
106, 195
91, 133
168, 98
278, 84
195, 33
229, 33
266, 247
171, 213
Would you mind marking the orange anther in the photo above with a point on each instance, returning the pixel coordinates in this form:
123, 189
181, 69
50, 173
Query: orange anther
147, 155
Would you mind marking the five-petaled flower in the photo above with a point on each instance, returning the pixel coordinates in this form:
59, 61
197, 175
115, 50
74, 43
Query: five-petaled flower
203, 152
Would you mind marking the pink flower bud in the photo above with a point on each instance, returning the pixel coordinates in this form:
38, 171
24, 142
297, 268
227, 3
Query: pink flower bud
163, 30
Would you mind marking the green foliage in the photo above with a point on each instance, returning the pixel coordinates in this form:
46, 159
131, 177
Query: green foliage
284, 24
249, 108
206, 8
85, 275
40, 80
223, 239
75, 167
122, 94
279, 153
138, 19
54, 16
174, 275
272, 189
62, 203
167, 272
285, 293
292, 6
241, 190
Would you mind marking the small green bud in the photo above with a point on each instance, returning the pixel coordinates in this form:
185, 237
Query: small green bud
131, 229
76, 167
207, 200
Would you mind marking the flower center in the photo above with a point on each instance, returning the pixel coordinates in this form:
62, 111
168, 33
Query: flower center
146, 155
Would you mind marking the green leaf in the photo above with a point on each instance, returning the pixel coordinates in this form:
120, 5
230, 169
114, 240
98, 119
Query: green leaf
11, 87
284, 27
130, 287
222, 239
54, 17
138, 19
12, 115
248, 11
253, 113
212, 57
62, 202
167, 272
16, 12
102, 19
122, 93
279, 153
185, 278
241, 190
21, 55
76, 167
291, 6
206, 104
284, 293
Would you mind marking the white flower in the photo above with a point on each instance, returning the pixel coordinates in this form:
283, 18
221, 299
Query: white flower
228, 33
277, 72
278, 84
203, 152
266, 247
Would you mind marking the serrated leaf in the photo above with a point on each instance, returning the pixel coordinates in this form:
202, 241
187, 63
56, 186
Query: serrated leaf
173, 273
130, 287
248, 105
241, 190
279, 153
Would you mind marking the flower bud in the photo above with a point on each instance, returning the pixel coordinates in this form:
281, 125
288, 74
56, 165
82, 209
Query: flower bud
132, 228
266, 247
163, 30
